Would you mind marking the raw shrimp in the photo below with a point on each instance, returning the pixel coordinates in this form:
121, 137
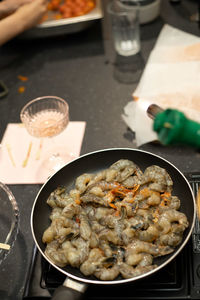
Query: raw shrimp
96, 227
141, 259
82, 182
104, 185
114, 222
48, 235
171, 239
90, 211
146, 198
85, 229
110, 236
75, 195
71, 210
168, 217
55, 213
108, 175
56, 231
135, 251
128, 271
96, 190
76, 251
107, 273
137, 247
106, 248
174, 237
125, 169
59, 198
174, 203
90, 198
147, 216
89, 266
56, 254
135, 222
153, 199
94, 240
146, 260
148, 235
126, 207
158, 179
102, 212
132, 180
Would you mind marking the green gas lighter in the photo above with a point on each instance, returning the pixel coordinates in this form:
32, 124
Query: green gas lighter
173, 127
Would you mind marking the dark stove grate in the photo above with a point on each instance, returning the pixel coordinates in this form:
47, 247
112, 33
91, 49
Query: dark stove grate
194, 180
160, 285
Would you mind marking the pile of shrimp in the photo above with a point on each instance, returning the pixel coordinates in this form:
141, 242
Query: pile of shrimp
115, 222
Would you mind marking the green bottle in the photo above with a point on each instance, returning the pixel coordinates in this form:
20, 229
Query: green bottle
173, 127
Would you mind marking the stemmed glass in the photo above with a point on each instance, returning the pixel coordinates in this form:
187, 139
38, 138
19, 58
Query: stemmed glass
44, 117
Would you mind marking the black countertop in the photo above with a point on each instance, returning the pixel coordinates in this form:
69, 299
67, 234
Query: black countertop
83, 69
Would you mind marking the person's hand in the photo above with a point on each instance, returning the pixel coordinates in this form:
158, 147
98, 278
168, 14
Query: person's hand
31, 13
8, 7
24, 17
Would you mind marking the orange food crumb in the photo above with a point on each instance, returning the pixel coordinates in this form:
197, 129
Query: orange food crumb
22, 78
135, 98
21, 89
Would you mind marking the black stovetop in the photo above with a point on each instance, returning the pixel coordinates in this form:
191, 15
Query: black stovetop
179, 279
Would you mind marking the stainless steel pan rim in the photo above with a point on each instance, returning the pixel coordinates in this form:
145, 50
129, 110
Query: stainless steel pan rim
89, 281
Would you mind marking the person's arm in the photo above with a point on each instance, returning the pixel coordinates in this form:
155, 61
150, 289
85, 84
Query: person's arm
23, 18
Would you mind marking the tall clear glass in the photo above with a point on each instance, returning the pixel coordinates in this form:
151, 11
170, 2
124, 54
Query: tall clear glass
125, 27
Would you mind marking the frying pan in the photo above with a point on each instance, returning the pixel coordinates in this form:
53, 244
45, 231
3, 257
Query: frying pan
91, 163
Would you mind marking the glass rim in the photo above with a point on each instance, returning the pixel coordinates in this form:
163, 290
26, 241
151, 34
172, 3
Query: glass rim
43, 98
128, 10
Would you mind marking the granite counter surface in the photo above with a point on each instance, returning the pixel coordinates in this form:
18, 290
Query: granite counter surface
83, 69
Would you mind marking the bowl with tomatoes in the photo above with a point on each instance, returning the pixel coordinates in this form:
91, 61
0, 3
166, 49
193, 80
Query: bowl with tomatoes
66, 16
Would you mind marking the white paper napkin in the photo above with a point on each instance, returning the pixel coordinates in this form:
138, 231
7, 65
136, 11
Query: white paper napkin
170, 79
23, 157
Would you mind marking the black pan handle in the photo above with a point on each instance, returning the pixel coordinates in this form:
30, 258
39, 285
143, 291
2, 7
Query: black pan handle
70, 290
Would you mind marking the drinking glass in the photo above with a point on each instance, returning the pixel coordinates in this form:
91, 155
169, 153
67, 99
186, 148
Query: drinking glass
46, 117
9, 221
124, 17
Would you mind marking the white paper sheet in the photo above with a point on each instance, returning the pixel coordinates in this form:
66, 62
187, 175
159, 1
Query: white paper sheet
23, 157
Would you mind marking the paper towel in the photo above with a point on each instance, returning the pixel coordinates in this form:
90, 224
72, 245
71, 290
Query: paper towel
171, 79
